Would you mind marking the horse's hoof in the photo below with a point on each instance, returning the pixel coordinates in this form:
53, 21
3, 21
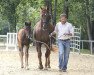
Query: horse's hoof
22, 66
26, 68
45, 68
49, 66
40, 67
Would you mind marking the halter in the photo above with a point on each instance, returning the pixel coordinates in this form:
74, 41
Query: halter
42, 25
26, 29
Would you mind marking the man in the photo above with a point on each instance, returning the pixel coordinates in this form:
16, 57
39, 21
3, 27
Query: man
64, 31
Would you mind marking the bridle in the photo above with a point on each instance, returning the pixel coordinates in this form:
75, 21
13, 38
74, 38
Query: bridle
43, 23
27, 31
46, 22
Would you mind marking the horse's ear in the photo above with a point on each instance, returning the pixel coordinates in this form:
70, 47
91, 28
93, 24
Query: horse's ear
45, 7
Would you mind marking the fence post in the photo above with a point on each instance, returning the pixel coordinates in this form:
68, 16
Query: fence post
11, 40
74, 40
91, 46
80, 39
82, 45
73, 44
79, 46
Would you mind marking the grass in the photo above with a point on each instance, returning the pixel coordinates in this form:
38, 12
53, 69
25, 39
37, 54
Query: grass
83, 51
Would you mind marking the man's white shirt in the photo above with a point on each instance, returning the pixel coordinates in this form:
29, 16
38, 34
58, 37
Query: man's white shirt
62, 29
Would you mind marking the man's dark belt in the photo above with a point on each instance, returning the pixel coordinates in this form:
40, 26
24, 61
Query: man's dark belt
64, 39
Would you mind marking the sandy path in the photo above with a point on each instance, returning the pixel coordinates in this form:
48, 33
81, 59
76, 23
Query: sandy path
78, 64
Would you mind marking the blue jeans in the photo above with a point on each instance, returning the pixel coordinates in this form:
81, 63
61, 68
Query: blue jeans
64, 50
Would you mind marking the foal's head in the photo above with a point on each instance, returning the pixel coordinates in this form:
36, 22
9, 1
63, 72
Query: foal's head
45, 18
28, 29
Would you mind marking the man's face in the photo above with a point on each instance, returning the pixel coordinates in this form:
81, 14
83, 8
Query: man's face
63, 19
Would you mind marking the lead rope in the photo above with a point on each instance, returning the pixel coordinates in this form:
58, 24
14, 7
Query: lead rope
46, 44
50, 43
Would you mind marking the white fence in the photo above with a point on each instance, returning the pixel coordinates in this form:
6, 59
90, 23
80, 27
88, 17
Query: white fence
9, 40
90, 42
75, 41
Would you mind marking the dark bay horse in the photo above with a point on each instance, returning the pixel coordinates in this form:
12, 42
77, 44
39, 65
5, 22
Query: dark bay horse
41, 34
23, 37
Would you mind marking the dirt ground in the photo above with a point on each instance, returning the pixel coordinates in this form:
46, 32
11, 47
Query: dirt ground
82, 64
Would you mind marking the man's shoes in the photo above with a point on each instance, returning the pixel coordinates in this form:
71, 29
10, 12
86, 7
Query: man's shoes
64, 70
60, 70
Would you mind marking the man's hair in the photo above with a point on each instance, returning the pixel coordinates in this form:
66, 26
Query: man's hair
63, 15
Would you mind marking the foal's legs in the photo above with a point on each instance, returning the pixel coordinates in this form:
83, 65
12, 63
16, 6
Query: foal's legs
38, 47
26, 57
49, 60
47, 57
21, 55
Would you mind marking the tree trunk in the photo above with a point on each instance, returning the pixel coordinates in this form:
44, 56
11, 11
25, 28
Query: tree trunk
66, 8
88, 20
55, 9
12, 22
48, 4
92, 32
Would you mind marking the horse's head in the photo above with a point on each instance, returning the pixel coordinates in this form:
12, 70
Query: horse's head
28, 29
45, 18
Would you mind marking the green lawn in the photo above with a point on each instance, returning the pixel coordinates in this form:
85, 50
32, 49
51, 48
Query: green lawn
83, 51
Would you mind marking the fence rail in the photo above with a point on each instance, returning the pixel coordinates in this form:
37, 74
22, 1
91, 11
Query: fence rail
3, 39
90, 42
3, 36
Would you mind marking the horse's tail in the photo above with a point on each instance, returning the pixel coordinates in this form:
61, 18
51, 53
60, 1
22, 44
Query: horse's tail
54, 48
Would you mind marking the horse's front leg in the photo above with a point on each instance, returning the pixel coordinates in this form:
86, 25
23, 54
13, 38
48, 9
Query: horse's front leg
26, 56
47, 57
38, 47
49, 61
21, 55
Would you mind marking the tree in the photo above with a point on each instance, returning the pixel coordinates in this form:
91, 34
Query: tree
66, 7
88, 19
9, 10
55, 10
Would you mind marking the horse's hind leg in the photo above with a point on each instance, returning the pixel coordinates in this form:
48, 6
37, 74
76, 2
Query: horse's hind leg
26, 57
21, 55
38, 47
